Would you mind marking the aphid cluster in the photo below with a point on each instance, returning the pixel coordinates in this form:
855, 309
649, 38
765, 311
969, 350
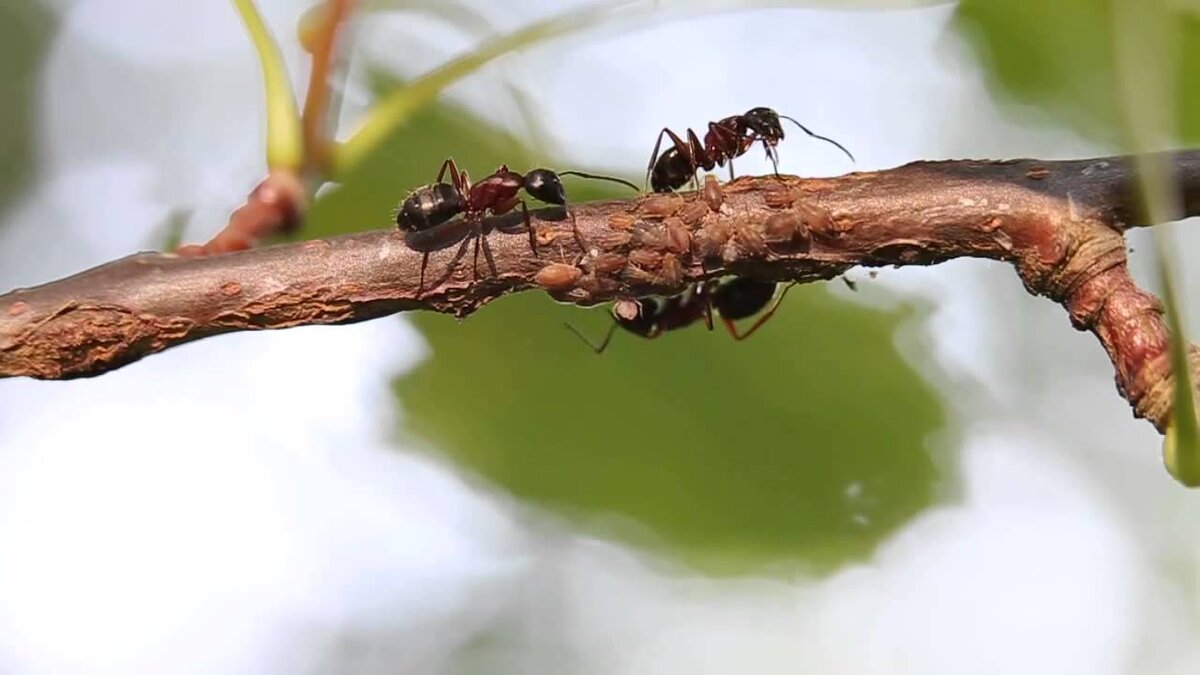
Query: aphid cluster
733, 298
447, 213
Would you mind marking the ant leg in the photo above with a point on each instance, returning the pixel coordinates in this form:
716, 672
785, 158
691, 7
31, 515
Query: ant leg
654, 156
421, 279
583, 248
598, 348
529, 228
448, 164
506, 206
761, 320
702, 293
723, 142
487, 254
478, 233
773, 155
700, 155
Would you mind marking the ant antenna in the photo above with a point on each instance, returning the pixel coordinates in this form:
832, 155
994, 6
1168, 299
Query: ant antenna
598, 348
598, 177
823, 138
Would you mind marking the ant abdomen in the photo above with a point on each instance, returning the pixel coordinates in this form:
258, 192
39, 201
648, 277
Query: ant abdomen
741, 298
428, 207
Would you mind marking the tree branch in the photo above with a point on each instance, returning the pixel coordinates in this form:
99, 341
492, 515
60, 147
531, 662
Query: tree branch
1059, 223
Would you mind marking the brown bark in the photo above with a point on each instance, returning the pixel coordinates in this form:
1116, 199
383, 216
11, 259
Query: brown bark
1059, 223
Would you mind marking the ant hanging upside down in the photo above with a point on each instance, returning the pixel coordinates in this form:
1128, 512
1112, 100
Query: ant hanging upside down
733, 299
432, 205
726, 139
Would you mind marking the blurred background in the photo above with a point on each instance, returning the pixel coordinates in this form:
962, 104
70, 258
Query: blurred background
933, 474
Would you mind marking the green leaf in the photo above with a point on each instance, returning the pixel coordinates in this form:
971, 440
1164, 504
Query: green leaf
1060, 57
25, 29
1181, 443
169, 235
389, 114
410, 157
285, 140
807, 443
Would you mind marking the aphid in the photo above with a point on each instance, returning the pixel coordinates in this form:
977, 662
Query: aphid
734, 299
432, 205
726, 139
558, 276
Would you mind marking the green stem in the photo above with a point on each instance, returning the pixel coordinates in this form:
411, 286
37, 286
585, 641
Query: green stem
285, 138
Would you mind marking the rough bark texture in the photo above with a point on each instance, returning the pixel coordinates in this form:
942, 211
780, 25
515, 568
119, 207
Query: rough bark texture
1059, 223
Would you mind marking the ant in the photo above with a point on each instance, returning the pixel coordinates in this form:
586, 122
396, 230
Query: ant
734, 299
727, 138
432, 205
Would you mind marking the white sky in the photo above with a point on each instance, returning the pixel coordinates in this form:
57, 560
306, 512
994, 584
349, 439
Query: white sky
219, 509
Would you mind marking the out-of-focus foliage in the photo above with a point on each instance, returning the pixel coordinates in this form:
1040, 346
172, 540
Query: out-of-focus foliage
397, 107
24, 32
807, 443
1061, 57
408, 158
285, 145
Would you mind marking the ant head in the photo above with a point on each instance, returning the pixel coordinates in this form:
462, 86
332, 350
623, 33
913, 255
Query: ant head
545, 185
637, 316
765, 123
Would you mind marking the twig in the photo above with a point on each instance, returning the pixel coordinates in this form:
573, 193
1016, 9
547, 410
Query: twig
315, 116
1059, 223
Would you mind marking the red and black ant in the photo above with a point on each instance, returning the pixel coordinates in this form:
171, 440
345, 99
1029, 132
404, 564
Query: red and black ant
733, 299
432, 205
727, 138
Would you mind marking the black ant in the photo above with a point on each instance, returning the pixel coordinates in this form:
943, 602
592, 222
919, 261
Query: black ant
734, 299
727, 138
497, 194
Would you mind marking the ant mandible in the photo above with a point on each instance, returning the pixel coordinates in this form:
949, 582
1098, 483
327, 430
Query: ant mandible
726, 139
733, 299
496, 194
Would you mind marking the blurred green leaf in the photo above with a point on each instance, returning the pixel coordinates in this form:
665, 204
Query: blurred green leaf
394, 110
25, 29
169, 235
408, 158
411, 156
1181, 446
806, 443
285, 142
1060, 56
